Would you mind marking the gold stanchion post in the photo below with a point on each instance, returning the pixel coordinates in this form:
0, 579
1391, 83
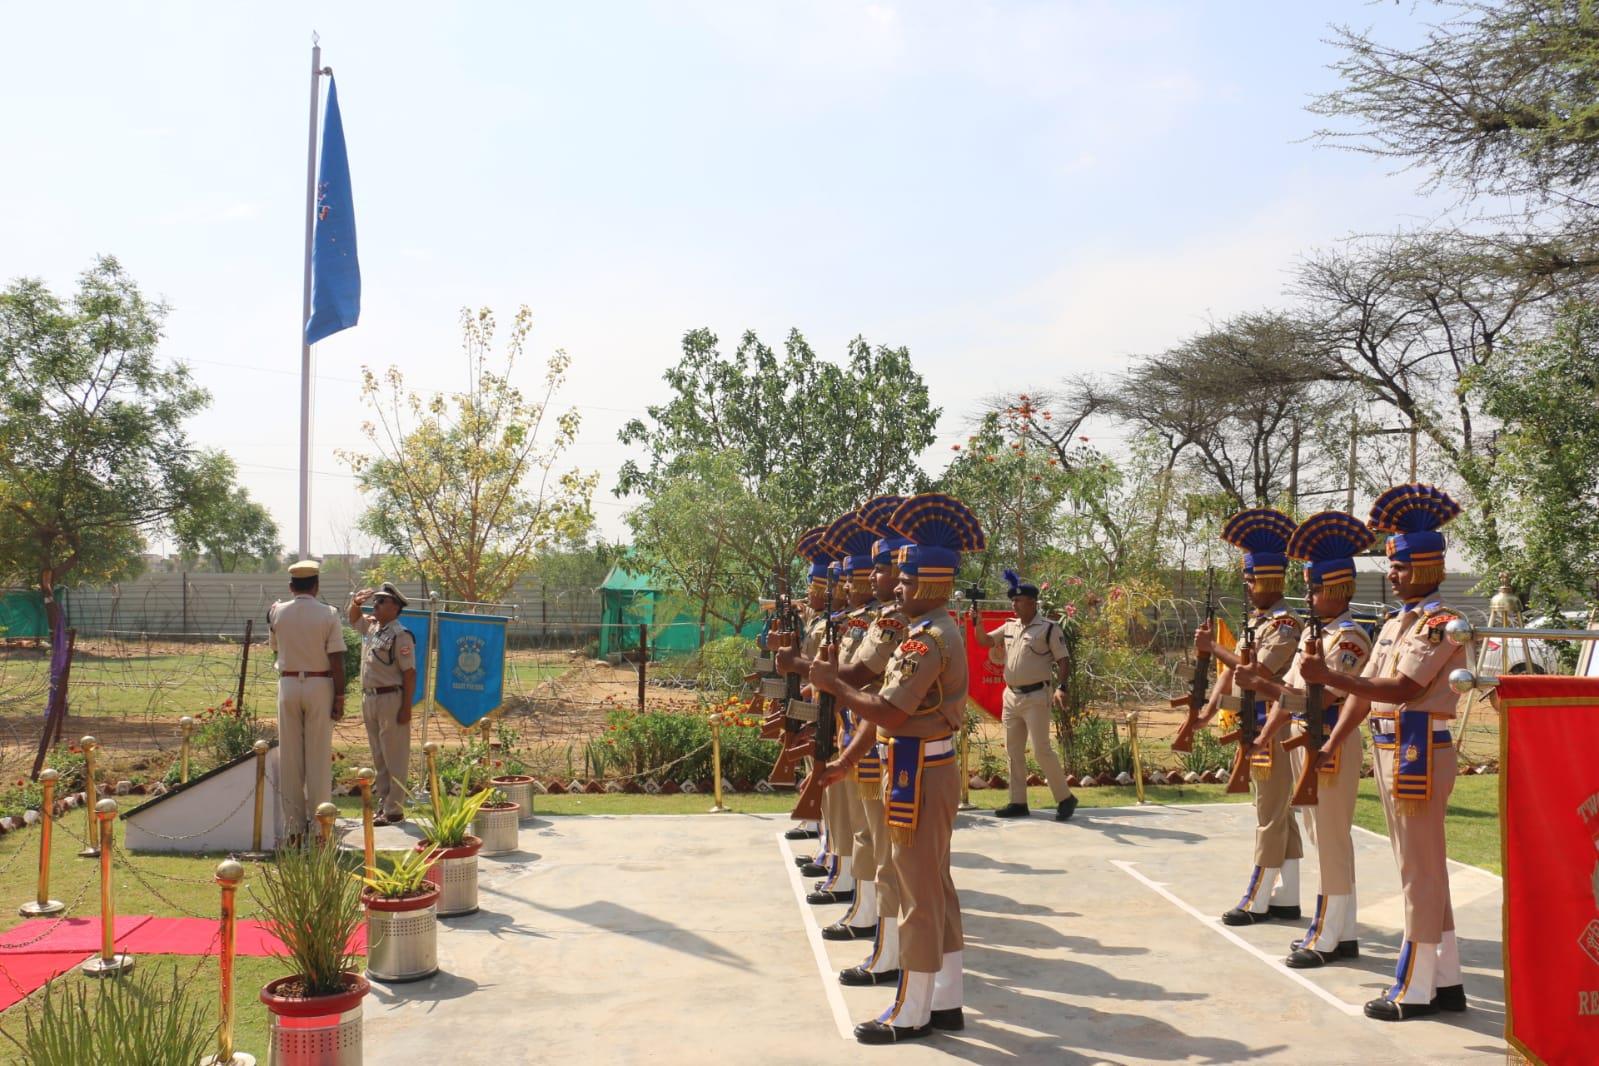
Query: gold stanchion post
41, 905
966, 803
1138, 762
716, 766
91, 793
326, 813
430, 751
256, 852
108, 963
365, 775
186, 727
229, 874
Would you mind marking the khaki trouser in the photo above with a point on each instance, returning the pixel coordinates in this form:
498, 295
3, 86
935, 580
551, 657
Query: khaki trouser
863, 855
305, 743
882, 867
929, 909
391, 750
1276, 832
1026, 716
1418, 843
840, 824
1333, 815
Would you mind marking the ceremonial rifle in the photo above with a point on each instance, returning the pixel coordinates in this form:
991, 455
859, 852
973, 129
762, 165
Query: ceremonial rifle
786, 635
809, 807
1199, 686
1244, 735
1307, 788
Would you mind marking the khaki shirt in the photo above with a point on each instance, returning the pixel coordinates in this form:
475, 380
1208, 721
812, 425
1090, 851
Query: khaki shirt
1345, 646
852, 634
387, 651
1277, 631
304, 631
880, 642
815, 633
1412, 643
1029, 652
926, 678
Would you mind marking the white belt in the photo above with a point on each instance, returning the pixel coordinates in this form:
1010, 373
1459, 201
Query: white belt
932, 747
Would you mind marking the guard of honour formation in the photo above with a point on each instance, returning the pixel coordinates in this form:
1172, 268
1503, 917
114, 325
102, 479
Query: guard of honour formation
867, 677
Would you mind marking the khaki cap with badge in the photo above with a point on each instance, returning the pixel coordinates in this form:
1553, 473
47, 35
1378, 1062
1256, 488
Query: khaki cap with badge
389, 589
305, 568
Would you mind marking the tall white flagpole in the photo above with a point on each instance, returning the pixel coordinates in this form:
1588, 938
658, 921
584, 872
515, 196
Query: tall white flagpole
317, 71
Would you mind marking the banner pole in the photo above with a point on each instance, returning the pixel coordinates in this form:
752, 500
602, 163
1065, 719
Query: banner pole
305, 306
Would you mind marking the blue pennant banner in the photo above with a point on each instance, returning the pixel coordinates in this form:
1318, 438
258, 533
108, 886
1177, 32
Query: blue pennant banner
470, 682
417, 622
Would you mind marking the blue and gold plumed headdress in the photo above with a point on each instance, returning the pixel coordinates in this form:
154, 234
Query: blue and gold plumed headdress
1018, 587
813, 546
939, 528
1413, 514
1327, 543
874, 515
1262, 535
852, 543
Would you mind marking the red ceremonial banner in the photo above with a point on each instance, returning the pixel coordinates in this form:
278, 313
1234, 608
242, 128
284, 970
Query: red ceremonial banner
985, 679
1549, 825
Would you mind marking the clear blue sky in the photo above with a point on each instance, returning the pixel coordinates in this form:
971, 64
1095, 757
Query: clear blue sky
1015, 191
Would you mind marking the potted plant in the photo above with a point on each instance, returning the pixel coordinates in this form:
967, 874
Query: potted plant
496, 824
137, 1018
454, 868
312, 905
402, 928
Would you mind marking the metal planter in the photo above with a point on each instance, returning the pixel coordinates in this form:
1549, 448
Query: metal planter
325, 1031
518, 788
402, 937
496, 827
455, 872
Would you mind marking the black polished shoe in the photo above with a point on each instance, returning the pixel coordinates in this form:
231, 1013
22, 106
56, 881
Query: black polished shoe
1064, 809
812, 869
804, 860
1449, 997
875, 1032
1346, 949
1239, 916
800, 833
950, 1020
860, 977
823, 896
1309, 958
1013, 810
1284, 914
1386, 1010
840, 931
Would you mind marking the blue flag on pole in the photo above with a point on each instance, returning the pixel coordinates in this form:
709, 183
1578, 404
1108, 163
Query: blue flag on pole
335, 270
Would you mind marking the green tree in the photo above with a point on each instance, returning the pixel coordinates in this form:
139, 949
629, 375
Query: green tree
693, 530
93, 449
1545, 486
467, 485
808, 438
222, 523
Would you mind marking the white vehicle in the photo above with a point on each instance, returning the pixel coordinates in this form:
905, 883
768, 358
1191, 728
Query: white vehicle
1514, 655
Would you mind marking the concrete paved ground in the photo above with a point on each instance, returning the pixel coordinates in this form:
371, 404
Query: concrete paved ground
683, 939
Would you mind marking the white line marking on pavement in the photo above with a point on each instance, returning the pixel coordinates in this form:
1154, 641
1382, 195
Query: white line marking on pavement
813, 932
1221, 930
1455, 865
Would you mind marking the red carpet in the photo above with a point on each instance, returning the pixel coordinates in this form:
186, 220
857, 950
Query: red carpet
200, 936
21, 975
74, 934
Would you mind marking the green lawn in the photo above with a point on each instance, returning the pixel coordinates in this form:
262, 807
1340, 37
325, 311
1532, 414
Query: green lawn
1472, 828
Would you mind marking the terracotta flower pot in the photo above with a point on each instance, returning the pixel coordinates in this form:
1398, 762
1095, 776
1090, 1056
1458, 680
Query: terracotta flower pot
402, 935
594, 788
454, 870
315, 1030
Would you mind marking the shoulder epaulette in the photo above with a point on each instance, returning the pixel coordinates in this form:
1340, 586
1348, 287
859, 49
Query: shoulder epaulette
890, 623
1348, 623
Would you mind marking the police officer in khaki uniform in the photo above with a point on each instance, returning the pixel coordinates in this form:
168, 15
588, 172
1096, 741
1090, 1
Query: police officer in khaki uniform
920, 706
1328, 543
1405, 690
1272, 891
309, 641
1032, 648
388, 679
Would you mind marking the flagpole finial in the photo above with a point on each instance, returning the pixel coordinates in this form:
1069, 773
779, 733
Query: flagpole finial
316, 38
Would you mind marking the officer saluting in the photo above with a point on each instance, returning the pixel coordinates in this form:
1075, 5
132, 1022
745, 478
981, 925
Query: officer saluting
1405, 690
388, 678
1030, 647
310, 647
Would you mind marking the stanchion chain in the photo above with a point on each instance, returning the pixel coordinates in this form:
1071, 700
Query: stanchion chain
83, 890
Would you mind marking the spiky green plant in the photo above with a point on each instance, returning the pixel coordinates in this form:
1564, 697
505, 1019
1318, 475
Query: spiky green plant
125, 1019
456, 811
400, 874
311, 903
